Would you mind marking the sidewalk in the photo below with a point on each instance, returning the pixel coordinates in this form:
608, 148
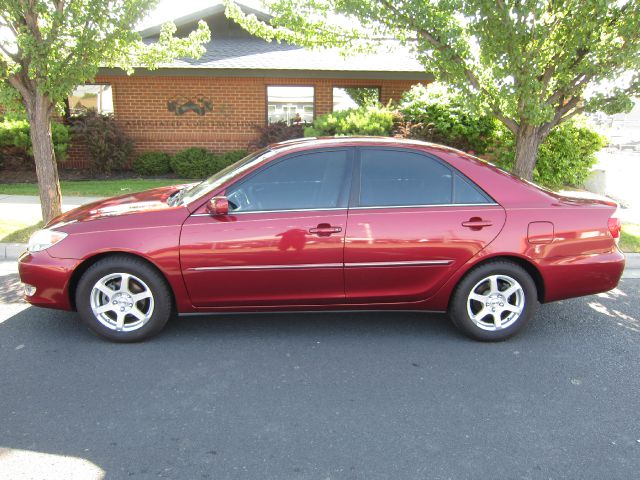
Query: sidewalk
26, 209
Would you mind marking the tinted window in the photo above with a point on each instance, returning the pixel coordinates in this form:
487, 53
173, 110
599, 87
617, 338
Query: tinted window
396, 178
465, 192
314, 180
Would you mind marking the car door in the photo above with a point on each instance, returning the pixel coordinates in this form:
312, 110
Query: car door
413, 220
282, 242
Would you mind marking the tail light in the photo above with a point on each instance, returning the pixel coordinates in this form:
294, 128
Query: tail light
614, 227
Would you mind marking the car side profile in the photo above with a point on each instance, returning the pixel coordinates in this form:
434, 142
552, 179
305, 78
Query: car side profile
328, 224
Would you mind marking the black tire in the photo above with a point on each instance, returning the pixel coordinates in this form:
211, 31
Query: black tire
486, 326
157, 308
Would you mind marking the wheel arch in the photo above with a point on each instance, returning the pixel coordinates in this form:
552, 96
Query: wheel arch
526, 264
89, 261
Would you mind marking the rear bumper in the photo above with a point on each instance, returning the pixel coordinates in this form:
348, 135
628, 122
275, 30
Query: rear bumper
568, 277
50, 276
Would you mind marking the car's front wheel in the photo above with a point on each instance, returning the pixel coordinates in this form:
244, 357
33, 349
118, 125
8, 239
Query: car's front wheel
494, 301
123, 299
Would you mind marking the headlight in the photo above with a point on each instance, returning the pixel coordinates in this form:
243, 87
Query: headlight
43, 239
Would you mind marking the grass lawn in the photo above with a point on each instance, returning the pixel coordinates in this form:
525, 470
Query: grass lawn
630, 238
16, 232
94, 188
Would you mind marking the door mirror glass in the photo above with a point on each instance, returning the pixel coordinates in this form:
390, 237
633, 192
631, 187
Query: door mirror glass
218, 206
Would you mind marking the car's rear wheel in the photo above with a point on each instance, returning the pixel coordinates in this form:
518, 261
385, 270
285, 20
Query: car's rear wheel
494, 301
123, 299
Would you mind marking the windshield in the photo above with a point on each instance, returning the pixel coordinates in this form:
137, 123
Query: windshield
224, 175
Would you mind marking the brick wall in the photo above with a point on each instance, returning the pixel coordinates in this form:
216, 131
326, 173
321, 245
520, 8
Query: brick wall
239, 103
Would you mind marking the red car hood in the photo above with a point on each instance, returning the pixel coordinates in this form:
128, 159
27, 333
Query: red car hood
148, 200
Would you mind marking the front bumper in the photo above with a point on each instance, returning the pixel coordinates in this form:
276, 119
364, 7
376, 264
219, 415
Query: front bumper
50, 276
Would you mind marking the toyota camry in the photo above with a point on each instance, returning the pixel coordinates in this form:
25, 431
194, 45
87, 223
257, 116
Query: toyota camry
328, 224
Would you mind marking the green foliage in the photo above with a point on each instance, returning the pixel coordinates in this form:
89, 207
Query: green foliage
565, 158
371, 120
70, 40
364, 96
200, 163
108, 146
523, 59
193, 163
151, 163
15, 133
436, 115
278, 132
531, 64
231, 157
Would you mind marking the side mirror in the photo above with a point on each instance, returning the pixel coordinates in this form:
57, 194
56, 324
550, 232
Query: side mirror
218, 206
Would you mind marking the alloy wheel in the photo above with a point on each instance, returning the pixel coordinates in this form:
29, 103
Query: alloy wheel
495, 302
122, 302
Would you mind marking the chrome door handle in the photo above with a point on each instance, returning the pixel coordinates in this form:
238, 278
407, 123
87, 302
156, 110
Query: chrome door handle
476, 223
324, 230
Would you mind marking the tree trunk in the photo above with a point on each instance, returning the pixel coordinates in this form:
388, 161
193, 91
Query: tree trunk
39, 112
528, 142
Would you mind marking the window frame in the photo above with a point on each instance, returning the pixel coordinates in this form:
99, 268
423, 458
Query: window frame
356, 180
107, 84
266, 97
345, 189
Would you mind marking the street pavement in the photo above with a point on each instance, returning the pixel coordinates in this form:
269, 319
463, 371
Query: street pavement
323, 396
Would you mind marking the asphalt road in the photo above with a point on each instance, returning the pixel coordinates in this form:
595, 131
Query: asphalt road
325, 396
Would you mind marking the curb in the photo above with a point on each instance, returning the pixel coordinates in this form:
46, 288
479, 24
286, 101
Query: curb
11, 251
633, 261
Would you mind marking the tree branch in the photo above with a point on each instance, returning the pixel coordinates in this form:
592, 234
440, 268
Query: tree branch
12, 56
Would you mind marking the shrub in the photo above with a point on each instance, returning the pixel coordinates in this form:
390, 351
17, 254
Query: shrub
200, 163
152, 163
278, 132
15, 138
193, 163
108, 146
565, 158
369, 120
231, 157
435, 115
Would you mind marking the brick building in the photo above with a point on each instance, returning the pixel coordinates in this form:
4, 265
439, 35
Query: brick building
240, 82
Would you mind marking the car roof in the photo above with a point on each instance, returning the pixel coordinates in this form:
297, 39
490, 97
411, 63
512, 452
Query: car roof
312, 142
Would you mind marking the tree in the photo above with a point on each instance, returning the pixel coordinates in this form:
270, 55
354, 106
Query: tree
363, 96
532, 63
48, 47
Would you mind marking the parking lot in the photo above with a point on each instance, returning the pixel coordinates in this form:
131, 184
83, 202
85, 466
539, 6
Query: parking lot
324, 396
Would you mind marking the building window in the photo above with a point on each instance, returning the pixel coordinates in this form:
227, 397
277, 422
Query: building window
290, 104
91, 97
354, 97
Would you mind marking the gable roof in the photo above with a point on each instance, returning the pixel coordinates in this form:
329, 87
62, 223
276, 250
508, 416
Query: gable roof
233, 51
193, 18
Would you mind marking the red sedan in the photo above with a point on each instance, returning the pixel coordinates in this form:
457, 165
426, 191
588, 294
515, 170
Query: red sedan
328, 224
